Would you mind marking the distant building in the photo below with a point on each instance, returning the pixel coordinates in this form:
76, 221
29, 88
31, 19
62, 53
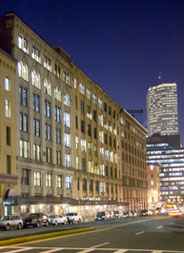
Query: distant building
165, 153
162, 109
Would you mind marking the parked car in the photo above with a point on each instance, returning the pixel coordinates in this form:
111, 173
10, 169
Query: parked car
36, 220
73, 217
132, 214
9, 221
57, 219
118, 214
144, 212
104, 215
125, 214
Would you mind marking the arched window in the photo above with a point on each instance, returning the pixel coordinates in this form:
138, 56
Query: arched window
47, 87
23, 70
57, 94
35, 78
67, 100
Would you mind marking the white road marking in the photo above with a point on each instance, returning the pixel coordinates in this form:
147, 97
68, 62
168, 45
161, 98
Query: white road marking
94, 247
142, 232
53, 250
121, 251
159, 227
102, 244
19, 250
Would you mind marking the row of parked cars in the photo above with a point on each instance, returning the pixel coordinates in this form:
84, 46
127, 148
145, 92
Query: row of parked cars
37, 220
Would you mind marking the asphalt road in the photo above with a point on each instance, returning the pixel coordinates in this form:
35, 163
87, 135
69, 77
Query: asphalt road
149, 234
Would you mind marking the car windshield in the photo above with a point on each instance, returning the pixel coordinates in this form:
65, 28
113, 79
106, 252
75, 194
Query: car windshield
53, 216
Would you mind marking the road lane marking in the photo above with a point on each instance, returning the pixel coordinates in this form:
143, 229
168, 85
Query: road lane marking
82, 233
19, 250
159, 227
121, 251
94, 247
142, 232
54, 250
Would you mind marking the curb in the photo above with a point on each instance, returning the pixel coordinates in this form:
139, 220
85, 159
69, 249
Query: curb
44, 236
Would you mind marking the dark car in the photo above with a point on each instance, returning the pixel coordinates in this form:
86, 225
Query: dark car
144, 212
103, 216
36, 220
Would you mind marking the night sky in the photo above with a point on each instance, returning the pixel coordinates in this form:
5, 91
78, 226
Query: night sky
122, 45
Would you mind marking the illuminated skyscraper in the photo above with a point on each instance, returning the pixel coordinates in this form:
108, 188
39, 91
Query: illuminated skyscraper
162, 109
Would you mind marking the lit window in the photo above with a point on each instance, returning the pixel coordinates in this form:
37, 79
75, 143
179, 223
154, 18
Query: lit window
35, 77
23, 43
67, 119
68, 182
24, 152
67, 160
75, 83
36, 152
81, 87
100, 103
59, 181
7, 84
7, 108
36, 54
94, 99
66, 78
48, 180
37, 178
47, 87
23, 71
47, 63
57, 94
77, 162
83, 145
88, 93
67, 140
67, 100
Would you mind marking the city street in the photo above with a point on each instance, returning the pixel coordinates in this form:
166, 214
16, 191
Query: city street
149, 234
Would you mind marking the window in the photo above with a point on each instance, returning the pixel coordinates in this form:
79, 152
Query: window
82, 126
25, 177
57, 70
23, 122
7, 108
94, 115
47, 132
105, 138
91, 185
89, 111
58, 136
78, 184
102, 172
106, 154
95, 150
47, 109
58, 157
101, 136
75, 83
84, 185
82, 107
112, 189
67, 100
109, 110
107, 188
76, 142
100, 103
48, 155
59, 181
47, 63
77, 162
67, 119
36, 102
106, 171
23, 71
102, 186
89, 148
68, 182
95, 133
94, 99
67, 160
89, 129
90, 169
47, 87
37, 178
36, 152
67, 140
24, 152
100, 119
7, 84
48, 180
101, 153
35, 78
23, 96
36, 54
23, 43
76, 122
66, 78
97, 186
57, 114
83, 164
110, 141
114, 114
36, 127
105, 107
76, 103
81, 88
57, 94
88, 94
8, 136
8, 164
83, 145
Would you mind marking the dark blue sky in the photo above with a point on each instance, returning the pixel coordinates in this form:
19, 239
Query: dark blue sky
120, 44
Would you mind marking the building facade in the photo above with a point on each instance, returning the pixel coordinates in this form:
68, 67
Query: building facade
133, 162
167, 154
162, 109
153, 186
8, 173
67, 133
